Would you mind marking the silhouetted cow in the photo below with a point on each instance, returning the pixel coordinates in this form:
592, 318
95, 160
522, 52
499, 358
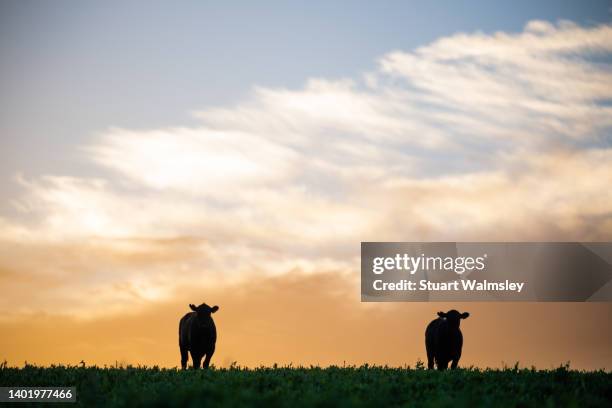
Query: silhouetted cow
198, 335
443, 340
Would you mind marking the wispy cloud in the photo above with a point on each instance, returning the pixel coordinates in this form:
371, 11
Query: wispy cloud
540, 85
475, 136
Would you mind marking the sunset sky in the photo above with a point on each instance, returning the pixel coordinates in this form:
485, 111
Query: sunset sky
156, 154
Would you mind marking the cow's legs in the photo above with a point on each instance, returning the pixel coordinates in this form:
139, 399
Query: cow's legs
442, 364
196, 359
430, 360
184, 357
208, 357
454, 363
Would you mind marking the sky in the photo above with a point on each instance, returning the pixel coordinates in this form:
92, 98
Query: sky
155, 155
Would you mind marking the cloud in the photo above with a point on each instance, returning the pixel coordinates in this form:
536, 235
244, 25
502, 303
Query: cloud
543, 84
558, 196
474, 136
196, 160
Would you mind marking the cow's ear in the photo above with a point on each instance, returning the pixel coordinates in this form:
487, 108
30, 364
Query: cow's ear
441, 314
214, 309
193, 307
465, 315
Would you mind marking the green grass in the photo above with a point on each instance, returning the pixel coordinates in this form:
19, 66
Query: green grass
334, 386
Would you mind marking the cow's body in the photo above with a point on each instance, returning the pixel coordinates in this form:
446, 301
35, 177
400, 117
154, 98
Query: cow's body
198, 335
444, 341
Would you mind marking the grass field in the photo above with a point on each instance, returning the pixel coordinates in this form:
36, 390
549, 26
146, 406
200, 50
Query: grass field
334, 386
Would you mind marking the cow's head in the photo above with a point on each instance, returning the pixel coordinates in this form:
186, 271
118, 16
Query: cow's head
453, 317
203, 311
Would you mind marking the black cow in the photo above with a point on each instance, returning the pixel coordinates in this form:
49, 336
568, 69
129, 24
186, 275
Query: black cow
198, 335
443, 340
